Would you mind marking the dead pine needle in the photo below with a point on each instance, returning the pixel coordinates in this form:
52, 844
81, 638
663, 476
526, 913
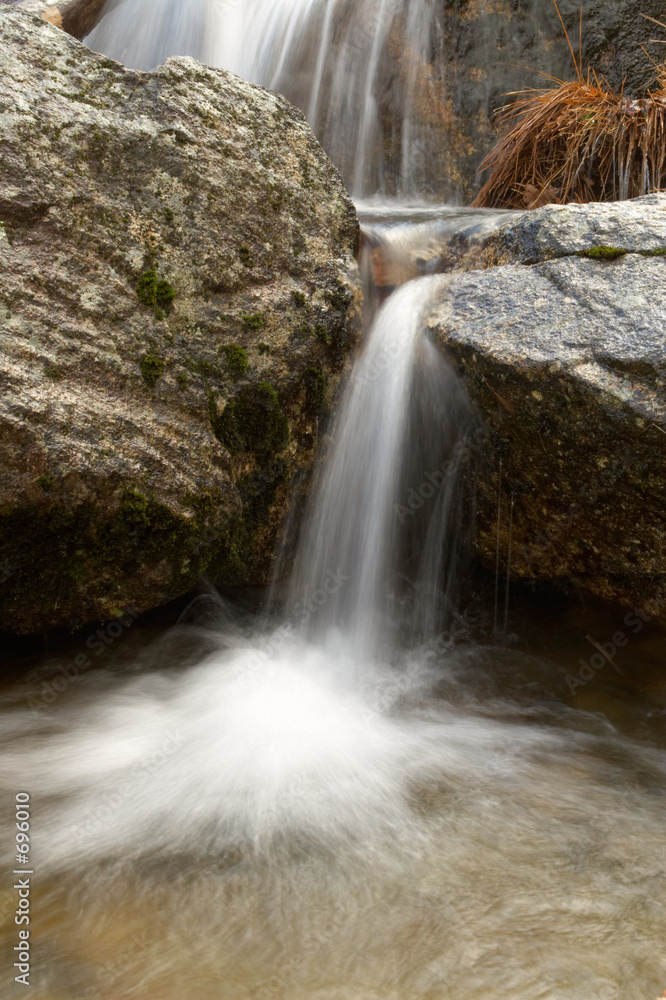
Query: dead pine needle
578, 142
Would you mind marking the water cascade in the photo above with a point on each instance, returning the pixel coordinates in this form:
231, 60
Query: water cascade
343, 802
388, 508
361, 72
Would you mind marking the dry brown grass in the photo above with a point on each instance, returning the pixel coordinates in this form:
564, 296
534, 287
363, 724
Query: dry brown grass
580, 141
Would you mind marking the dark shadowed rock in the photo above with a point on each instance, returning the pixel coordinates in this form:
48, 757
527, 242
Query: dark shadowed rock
565, 357
177, 297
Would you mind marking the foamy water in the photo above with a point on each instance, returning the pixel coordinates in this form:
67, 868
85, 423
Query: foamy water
262, 825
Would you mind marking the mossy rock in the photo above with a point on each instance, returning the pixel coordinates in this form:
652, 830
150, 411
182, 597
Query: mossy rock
315, 391
155, 292
254, 321
152, 273
60, 549
235, 359
602, 253
152, 368
254, 421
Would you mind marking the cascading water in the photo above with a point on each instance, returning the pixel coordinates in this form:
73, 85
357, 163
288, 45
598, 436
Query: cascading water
363, 73
320, 813
343, 805
404, 425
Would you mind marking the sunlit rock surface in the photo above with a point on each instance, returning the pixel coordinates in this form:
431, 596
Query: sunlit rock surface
177, 297
565, 357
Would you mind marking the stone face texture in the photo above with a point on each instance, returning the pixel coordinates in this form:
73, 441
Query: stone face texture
565, 358
178, 294
561, 230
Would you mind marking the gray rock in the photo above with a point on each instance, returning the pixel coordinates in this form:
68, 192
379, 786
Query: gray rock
178, 294
566, 361
561, 230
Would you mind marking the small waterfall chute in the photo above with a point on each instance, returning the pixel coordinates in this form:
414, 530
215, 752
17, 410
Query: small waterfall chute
387, 509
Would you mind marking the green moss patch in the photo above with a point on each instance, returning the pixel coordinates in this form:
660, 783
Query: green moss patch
258, 491
254, 321
63, 554
155, 292
341, 298
315, 391
152, 368
602, 253
657, 252
46, 481
235, 359
323, 334
253, 421
245, 257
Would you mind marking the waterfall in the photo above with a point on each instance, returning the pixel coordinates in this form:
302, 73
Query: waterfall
386, 517
362, 72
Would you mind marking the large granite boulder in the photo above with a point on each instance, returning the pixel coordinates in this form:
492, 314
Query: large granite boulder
178, 294
562, 345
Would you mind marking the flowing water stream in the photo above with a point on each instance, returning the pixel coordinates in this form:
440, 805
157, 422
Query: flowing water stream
361, 794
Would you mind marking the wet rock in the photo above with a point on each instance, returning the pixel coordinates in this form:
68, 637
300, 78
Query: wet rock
564, 356
178, 294
599, 230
